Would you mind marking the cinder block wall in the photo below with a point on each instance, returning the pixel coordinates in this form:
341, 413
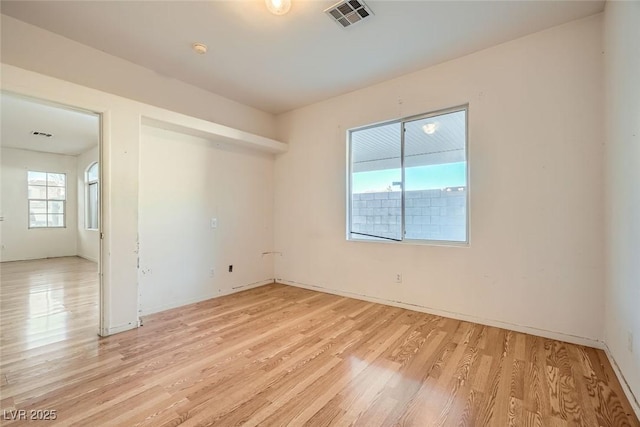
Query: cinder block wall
430, 214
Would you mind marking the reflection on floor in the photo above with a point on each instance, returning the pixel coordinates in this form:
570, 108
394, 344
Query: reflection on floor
47, 301
278, 355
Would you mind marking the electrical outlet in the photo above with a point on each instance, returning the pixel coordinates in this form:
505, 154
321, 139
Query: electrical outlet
398, 277
230, 268
630, 341
211, 272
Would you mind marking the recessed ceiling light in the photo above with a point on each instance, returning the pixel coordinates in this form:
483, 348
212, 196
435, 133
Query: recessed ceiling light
430, 128
199, 48
278, 7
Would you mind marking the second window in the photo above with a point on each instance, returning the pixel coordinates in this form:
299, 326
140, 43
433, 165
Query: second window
47, 194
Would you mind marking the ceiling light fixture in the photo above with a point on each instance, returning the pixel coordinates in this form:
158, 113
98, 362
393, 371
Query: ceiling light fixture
199, 48
278, 7
430, 128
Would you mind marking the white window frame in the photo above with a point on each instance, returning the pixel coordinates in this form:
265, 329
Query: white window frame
46, 201
349, 199
88, 184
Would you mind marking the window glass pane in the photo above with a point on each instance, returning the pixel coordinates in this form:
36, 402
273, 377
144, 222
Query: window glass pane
46, 193
436, 178
56, 207
37, 207
36, 221
92, 206
55, 220
57, 193
376, 183
56, 179
92, 173
37, 192
36, 178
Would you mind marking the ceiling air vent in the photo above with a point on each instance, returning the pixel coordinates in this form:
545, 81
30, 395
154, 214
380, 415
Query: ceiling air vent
347, 13
43, 134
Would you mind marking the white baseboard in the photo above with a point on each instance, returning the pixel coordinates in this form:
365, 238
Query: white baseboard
206, 296
559, 336
625, 385
87, 258
241, 288
37, 258
111, 330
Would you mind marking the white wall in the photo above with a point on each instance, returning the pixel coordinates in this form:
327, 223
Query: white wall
535, 132
535, 149
18, 241
121, 124
88, 240
184, 182
622, 83
60, 57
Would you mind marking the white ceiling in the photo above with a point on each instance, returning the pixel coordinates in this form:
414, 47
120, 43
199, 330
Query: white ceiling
74, 132
278, 63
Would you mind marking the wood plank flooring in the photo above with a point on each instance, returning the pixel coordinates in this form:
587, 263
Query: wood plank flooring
47, 301
278, 355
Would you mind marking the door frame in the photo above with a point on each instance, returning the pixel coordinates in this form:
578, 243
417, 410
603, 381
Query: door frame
101, 176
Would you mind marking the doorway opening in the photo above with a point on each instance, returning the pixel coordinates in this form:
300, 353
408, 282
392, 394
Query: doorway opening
50, 223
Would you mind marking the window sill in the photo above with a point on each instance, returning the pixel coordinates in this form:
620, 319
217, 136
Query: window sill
445, 243
47, 228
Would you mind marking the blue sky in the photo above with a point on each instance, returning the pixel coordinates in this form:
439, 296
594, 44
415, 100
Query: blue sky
416, 178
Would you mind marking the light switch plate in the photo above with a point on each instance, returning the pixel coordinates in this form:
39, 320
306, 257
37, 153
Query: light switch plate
214, 222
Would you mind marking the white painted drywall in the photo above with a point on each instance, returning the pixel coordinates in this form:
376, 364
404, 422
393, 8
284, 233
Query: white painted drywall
18, 241
622, 166
121, 122
535, 125
535, 260
60, 57
88, 240
185, 182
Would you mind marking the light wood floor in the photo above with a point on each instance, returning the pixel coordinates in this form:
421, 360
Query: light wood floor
279, 355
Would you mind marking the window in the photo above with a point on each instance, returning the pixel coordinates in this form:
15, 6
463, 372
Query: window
408, 179
47, 194
91, 204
